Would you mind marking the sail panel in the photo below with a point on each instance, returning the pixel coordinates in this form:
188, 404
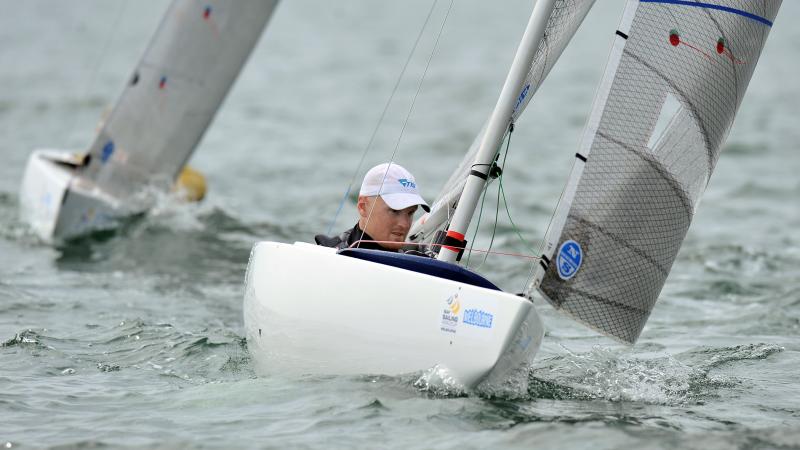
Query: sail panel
562, 24
651, 145
175, 90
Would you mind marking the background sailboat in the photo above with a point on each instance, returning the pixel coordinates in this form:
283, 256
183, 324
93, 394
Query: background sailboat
167, 104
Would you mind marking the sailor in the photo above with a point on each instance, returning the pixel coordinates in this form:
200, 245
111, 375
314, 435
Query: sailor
387, 201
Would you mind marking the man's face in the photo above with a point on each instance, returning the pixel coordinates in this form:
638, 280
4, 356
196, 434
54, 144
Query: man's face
384, 223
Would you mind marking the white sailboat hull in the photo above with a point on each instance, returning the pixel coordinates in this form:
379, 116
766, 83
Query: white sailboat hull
59, 204
309, 310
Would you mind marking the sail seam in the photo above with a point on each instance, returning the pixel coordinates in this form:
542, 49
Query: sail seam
656, 166
633, 336
600, 299
620, 241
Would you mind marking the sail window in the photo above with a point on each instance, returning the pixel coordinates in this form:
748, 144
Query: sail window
669, 110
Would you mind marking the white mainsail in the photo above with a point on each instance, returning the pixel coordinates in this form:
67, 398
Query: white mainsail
675, 79
562, 24
174, 91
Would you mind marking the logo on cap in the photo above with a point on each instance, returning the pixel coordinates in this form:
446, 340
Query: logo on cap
407, 183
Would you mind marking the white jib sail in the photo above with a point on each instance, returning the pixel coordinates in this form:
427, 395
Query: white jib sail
675, 78
562, 24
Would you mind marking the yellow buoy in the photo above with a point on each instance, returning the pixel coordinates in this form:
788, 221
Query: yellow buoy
191, 185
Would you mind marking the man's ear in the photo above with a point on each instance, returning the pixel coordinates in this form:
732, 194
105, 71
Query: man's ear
361, 204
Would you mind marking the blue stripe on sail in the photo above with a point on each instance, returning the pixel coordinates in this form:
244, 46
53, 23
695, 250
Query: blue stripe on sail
710, 6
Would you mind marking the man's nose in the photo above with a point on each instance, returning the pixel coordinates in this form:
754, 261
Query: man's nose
405, 221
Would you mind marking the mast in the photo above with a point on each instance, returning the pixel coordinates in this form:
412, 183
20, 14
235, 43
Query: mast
496, 128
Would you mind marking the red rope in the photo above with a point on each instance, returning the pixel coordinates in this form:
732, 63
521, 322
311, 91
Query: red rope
491, 252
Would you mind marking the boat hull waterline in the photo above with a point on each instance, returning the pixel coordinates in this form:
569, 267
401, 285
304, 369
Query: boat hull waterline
311, 311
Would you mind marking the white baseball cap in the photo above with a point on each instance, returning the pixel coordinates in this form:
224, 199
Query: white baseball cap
394, 184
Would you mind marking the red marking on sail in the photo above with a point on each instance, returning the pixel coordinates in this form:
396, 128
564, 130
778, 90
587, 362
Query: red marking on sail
723, 49
675, 40
697, 49
733, 58
210, 21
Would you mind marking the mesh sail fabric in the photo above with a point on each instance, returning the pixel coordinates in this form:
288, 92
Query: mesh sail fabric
174, 92
665, 107
562, 24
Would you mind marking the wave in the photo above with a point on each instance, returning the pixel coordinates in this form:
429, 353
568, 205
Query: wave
617, 376
208, 355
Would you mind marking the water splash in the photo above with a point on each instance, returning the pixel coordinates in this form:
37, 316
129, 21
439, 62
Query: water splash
26, 338
437, 381
615, 376
515, 387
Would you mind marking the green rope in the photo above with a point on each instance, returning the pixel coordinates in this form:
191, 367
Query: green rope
500, 193
496, 213
513, 225
483, 200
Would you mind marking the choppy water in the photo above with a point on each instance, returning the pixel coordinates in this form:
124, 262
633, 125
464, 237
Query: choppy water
135, 338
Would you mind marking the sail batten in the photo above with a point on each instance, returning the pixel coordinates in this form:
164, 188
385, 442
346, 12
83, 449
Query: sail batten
674, 81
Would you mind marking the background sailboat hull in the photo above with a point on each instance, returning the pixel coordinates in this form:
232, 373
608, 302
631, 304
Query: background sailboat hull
308, 310
60, 205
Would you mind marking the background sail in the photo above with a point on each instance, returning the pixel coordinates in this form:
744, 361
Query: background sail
561, 26
675, 79
174, 92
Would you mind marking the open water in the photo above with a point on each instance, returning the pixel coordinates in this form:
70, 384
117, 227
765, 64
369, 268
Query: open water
135, 339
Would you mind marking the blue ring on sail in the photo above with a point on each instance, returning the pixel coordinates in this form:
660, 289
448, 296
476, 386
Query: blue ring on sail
740, 12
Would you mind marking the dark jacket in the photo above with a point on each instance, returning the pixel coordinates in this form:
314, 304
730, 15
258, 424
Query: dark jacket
348, 238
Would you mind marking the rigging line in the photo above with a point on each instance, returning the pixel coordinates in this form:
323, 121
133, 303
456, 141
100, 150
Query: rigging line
478, 250
483, 199
499, 189
382, 116
494, 229
503, 192
411, 108
528, 246
114, 30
